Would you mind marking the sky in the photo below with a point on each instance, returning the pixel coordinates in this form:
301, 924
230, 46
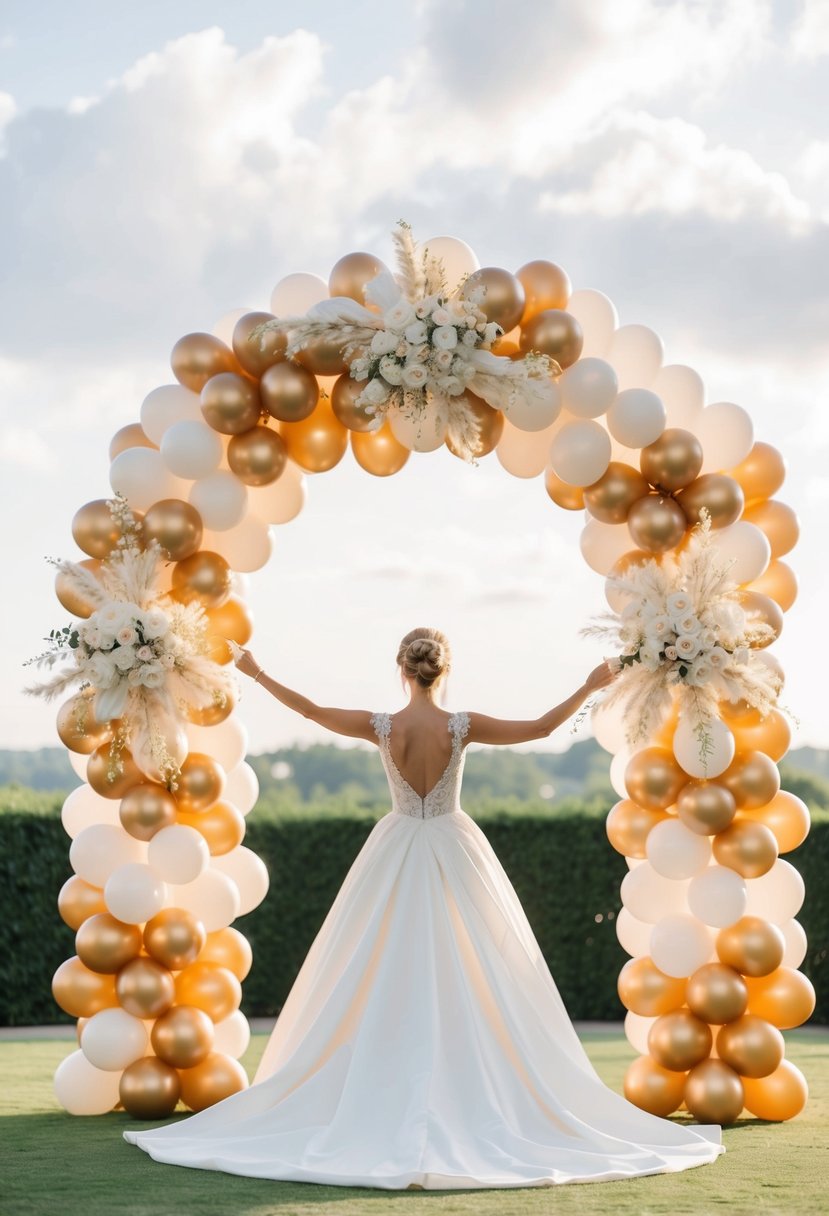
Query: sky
161, 165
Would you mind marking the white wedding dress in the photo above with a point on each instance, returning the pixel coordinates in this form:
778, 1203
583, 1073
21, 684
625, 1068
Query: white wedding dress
424, 1042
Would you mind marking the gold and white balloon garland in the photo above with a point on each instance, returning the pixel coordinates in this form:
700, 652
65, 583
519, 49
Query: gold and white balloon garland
216, 460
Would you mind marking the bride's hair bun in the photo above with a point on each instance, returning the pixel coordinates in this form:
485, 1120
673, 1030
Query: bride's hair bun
423, 655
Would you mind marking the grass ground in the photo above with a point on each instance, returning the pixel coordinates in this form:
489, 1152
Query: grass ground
52, 1164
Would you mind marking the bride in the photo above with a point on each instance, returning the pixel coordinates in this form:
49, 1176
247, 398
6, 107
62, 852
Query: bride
424, 1044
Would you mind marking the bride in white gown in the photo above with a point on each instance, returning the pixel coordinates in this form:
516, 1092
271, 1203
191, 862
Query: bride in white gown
424, 1043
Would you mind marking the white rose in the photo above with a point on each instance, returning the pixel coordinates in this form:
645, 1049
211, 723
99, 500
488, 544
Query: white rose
167, 661
391, 371
375, 392
688, 623
687, 646
145, 654
491, 332
700, 673
93, 637
400, 316
383, 342
470, 338
443, 359
441, 316
649, 657
416, 333
101, 670
126, 635
415, 375
151, 675
402, 350
718, 658
670, 653
445, 337
124, 658
678, 604
660, 627
155, 624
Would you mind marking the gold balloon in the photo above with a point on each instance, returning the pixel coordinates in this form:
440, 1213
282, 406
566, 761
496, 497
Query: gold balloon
751, 945
197, 358
656, 524
78, 727
506, 348
719, 494
706, 807
545, 286
214, 1079
146, 809
751, 1046
747, 847
679, 1040
776, 519
491, 423
771, 735
504, 298
232, 620
94, 530
222, 826
149, 1089
762, 472
256, 355
174, 938
344, 396
318, 442
131, 436
258, 456
786, 998
81, 992
228, 948
787, 816
611, 497
201, 783
289, 392
628, 825
753, 779
74, 601
105, 944
778, 582
555, 333
204, 577
112, 775
230, 403
571, 498
761, 609
79, 1025
323, 357
653, 1088
177, 527
351, 273
714, 1093
653, 779
673, 460
379, 452
214, 989
213, 714
145, 988
183, 1036
781, 1095
646, 990
738, 713
78, 900
716, 993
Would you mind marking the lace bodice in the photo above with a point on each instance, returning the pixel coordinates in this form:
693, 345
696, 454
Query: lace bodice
444, 796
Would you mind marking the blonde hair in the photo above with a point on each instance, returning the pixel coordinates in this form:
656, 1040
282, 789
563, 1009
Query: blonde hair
424, 655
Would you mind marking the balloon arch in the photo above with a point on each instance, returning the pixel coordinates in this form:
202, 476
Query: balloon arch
563, 394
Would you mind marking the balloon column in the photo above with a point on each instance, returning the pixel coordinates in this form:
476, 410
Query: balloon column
589, 408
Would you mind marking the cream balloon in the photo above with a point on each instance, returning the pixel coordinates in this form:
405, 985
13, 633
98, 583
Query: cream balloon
221, 499
608, 724
458, 259
745, 547
143, 478
167, 405
134, 893
83, 1089
226, 324
113, 1039
588, 387
242, 788
603, 544
636, 354
726, 433
580, 452
637, 1030
717, 896
598, 319
528, 415
689, 753
683, 393
649, 896
79, 762
84, 807
296, 293
178, 854
618, 767
246, 547
674, 851
283, 499
680, 944
248, 872
636, 418
213, 898
226, 742
777, 895
191, 449
524, 453
634, 935
232, 1035
796, 943
100, 849
425, 433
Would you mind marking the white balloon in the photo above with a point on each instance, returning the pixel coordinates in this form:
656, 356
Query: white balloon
603, 544
689, 753
113, 1039
588, 387
636, 353
726, 433
83, 1089
178, 854
226, 324
134, 893
746, 547
796, 943
534, 415
634, 935
249, 874
636, 418
166, 405
524, 453
683, 392
242, 788
232, 1035
283, 499
84, 807
649, 896
226, 742
598, 319
608, 723
296, 293
717, 896
246, 547
637, 1029
777, 895
424, 433
79, 763
618, 766
99, 849
680, 944
191, 449
676, 852
458, 259
221, 499
580, 452
143, 478
212, 898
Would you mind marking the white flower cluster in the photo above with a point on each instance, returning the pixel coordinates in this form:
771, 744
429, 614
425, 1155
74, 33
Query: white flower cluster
695, 647
124, 646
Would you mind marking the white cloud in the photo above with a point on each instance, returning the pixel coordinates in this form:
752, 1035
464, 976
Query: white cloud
810, 32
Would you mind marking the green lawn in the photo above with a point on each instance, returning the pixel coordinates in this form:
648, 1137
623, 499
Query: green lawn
52, 1164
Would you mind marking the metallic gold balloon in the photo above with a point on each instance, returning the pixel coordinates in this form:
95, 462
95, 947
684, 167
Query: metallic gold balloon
782, 1095
506, 348
739, 713
716, 993
719, 494
146, 809
761, 609
214, 989
762, 472
714, 1093
786, 998
771, 735
351, 273
545, 286
210, 1082
131, 436
571, 498
344, 396
653, 1088
201, 783
222, 826
673, 460
705, 807
105, 944
779, 583
751, 1046
491, 423
213, 714
787, 816
232, 620
258, 456
256, 355
505, 298
81, 992
197, 358
75, 602
318, 442
751, 945
753, 779
176, 525
656, 524
94, 530
183, 1036
145, 988
679, 1040
230, 403
379, 452
611, 497
555, 333
112, 775
628, 825
174, 938
228, 948
776, 519
324, 357
78, 727
653, 778
745, 846
289, 392
646, 990
204, 577
78, 900
149, 1089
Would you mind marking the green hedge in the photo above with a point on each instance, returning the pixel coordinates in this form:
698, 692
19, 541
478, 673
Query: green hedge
566, 874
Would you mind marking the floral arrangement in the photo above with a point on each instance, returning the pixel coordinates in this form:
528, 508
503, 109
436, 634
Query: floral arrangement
142, 653
683, 630
423, 348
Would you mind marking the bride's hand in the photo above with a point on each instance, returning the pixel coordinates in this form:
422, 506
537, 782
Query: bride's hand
602, 675
244, 660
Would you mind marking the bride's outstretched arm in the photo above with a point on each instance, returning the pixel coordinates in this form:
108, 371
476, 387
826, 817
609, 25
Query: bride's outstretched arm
483, 729
356, 723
